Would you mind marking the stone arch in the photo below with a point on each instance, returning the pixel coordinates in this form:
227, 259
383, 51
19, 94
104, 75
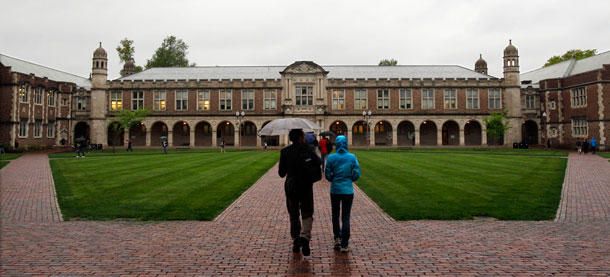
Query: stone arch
81, 130
115, 139
248, 133
339, 128
159, 129
225, 131
383, 133
360, 133
472, 133
529, 132
451, 133
271, 140
406, 133
203, 134
137, 134
181, 134
428, 133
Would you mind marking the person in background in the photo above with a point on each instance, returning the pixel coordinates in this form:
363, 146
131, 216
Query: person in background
342, 169
2, 148
323, 146
579, 146
81, 148
593, 145
585, 147
222, 146
129, 145
548, 143
164, 144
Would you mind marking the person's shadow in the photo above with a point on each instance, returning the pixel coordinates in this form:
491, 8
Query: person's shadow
299, 265
341, 264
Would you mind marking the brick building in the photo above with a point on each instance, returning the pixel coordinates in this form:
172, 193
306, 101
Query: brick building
411, 105
574, 99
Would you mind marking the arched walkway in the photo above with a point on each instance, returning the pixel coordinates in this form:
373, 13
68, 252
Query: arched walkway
406, 133
271, 140
115, 139
427, 133
203, 134
248, 134
492, 141
226, 132
181, 134
529, 132
81, 130
472, 133
339, 128
383, 133
359, 133
451, 133
158, 130
137, 134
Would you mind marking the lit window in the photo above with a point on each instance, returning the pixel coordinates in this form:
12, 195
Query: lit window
495, 100
23, 128
270, 99
225, 98
51, 98
472, 99
51, 129
38, 95
383, 99
579, 97
203, 100
137, 100
427, 99
406, 99
24, 91
159, 100
247, 100
116, 100
580, 127
182, 100
360, 99
304, 96
338, 99
450, 99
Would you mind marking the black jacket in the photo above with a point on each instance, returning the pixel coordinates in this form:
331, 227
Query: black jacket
292, 167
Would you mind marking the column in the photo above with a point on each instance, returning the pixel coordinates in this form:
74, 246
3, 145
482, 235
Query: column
372, 135
214, 143
170, 138
395, 137
439, 136
126, 136
462, 141
236, 138
483, 137
417, 137
192, 137
148, 136
258, 141
349, 137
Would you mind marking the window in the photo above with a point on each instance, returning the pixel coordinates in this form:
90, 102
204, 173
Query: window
24, 91
51, 98
23, 128
182, 97
247, 100
579, 97
406, 99
383, 99
530, 101
427, 99
580, 127
450, 99
338, 99
64, 101
304, 96
37, 129
225, 100
81, 103
472, 99
137, 100
360, 99
51, 129
159, 100
554, 132
495, 102
552, 105
38, 95
116, 100
270, 97
203, 100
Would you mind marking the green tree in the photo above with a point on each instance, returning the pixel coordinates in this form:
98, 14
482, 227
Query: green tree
496, 125
571, 54
386, 62
172, 53
125, 119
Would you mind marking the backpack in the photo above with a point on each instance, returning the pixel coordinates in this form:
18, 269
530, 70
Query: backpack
310, 163
329, 146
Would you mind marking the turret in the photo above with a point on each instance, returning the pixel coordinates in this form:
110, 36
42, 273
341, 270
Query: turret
129, 68
481, 65
511, 63
100, 68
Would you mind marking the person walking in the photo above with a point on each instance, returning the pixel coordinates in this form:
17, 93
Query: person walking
298, 188
579, 146
323, 146
81, 149
593, 145
548, 143
2, 148
222, 146
342, 169
164, 144
585, 147
129, 145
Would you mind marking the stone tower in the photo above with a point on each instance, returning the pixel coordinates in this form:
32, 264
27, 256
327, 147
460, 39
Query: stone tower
99, 79
512, 93
481, 65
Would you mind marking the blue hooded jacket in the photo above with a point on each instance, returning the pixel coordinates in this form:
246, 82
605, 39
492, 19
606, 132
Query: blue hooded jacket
593, 142
342, 169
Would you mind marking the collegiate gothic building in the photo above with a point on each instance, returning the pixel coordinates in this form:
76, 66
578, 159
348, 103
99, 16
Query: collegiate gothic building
394, 106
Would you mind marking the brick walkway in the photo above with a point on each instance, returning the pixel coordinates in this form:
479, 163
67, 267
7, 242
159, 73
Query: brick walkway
251, 237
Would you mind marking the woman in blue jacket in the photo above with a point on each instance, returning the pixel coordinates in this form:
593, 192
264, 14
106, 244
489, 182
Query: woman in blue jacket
341, 170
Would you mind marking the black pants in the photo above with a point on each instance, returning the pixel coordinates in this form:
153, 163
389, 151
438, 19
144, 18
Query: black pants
300, 204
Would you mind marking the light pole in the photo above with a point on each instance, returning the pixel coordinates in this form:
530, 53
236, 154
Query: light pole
544, 134
240, 116
367, 116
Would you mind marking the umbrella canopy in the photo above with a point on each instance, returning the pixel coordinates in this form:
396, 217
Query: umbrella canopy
163, 137
328, 134
81, 139
283, 126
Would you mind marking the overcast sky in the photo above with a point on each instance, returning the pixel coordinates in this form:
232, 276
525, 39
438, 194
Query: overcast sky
64, 34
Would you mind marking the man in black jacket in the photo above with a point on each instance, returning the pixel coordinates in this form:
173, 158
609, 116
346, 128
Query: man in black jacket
299, 191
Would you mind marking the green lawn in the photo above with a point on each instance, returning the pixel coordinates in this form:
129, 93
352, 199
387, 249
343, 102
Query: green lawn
122, 152
604, 154
3, 164
485, 151
412, 185
189, 186
10, 156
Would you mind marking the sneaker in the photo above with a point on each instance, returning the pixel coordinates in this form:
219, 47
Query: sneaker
345, 249
77, 156
305, 246
296, 246
337, 244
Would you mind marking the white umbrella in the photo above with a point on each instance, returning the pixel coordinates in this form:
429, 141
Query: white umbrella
283, 126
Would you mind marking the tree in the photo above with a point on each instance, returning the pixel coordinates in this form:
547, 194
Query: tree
126, 51
172, 53
386, 62
496, 125
125, 119
571, 54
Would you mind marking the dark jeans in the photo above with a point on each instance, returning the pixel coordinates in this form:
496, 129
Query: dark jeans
593, 149
300, 203
343, 203
81, 150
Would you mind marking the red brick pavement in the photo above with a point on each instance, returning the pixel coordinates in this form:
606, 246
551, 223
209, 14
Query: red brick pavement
586, 190
251, 238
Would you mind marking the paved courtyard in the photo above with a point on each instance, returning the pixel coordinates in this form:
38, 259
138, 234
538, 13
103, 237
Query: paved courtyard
251, 236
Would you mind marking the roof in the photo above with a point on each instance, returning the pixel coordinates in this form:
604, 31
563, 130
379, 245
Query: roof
565, 69
41, 71
335, 72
